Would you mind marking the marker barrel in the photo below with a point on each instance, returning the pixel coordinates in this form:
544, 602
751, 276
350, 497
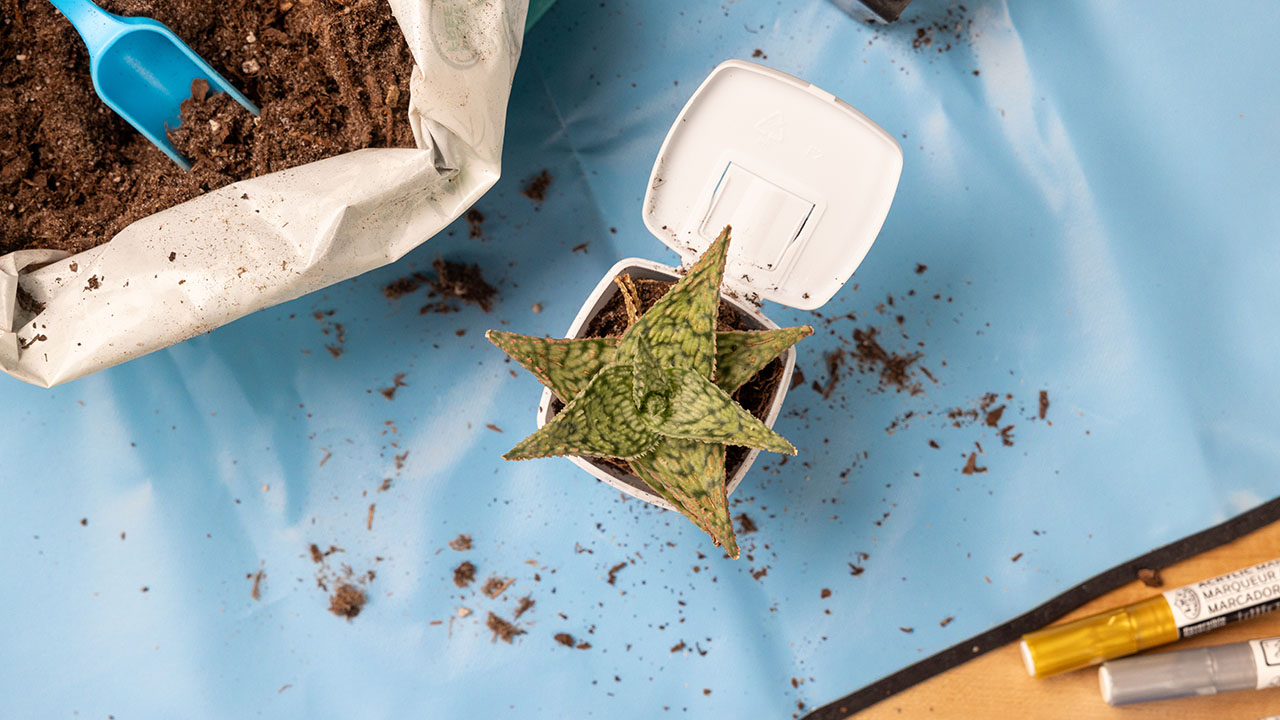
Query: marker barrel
1091, 640
1178, 613
1203, 671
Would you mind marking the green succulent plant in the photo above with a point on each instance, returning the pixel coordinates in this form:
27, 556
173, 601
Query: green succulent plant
660, 396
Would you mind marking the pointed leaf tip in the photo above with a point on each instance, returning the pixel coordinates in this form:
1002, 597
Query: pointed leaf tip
680, 328
565, 366
702, 411
690, 475
740, 354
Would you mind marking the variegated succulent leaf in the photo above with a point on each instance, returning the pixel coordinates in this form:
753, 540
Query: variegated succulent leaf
690, 475
740, 354
601, 421
701, 411
565, 366
680, 329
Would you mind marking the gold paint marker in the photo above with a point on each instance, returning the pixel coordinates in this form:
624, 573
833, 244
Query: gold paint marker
1178, 613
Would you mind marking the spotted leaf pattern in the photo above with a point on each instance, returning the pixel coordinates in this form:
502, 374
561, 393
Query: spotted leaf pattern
680, 329
601, 421
565, 366
700, 410
740, 354
690, 475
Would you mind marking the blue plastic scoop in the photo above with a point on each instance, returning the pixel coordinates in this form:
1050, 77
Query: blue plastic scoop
142, 70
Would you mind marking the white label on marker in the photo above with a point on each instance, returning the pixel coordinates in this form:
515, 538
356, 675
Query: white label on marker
1240, 595
1266, 657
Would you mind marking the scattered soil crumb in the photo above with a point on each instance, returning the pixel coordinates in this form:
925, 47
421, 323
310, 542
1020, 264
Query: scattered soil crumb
946, 621
536, 190
1044, 403
826, 593
758, 53
971, 466
256, 591
834, 361
565, 639
920, 268
347, 601
934, 444
856, 570
678, 647
493, 427
368, 523
993, 416
584, 646
404, 286
1006, 436
460, 543
495, 586
475, 219
94, 283
907, 630
745, 524
464, 574
502, 629
316, 555
396, 383
613, 573
1150, 577
580, 247
1016, 558
894, 369
757, 574
464, 282
523, 606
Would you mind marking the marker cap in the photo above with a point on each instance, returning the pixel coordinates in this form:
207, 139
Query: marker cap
1202, 671
1091, 640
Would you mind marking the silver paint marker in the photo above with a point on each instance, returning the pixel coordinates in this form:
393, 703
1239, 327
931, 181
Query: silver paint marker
1252, 665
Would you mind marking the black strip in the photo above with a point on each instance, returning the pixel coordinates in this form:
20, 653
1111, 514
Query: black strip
1041, 616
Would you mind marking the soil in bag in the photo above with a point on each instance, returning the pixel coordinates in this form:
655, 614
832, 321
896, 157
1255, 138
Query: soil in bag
330, 77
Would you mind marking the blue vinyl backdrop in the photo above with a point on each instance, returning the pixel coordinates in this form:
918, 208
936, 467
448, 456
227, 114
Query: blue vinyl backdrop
1088, 207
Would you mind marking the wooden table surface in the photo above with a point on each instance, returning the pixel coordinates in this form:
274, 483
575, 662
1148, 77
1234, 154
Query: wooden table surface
996, 685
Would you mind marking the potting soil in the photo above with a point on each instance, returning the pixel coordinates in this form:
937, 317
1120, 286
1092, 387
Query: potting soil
329, 77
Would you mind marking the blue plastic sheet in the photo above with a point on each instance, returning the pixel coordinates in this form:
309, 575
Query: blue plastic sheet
1089, 192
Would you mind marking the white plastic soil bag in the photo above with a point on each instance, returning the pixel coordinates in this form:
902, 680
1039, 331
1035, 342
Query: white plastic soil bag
260, 242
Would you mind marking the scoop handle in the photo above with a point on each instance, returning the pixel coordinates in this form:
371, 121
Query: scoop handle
96, 26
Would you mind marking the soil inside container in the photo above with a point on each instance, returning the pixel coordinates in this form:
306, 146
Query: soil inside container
756, 395
330, 77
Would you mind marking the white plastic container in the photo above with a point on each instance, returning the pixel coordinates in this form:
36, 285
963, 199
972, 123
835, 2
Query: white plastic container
804, 179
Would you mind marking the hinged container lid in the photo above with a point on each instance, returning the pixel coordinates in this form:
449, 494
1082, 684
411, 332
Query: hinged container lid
804, 179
